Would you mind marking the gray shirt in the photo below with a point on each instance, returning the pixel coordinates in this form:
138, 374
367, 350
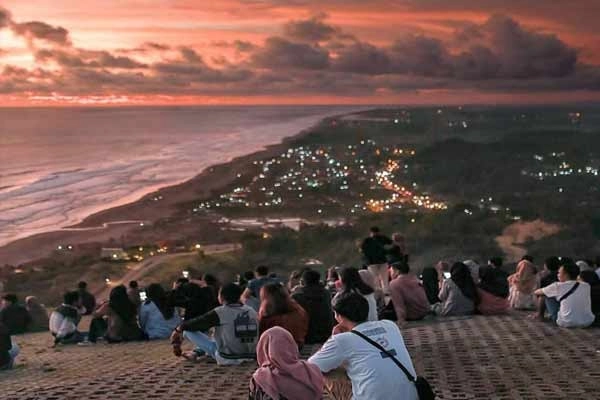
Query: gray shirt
454, 302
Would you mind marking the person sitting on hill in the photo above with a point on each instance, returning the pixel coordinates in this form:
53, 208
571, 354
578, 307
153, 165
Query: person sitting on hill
352, 282
278, 309
115, 320
333, 280
370, 279
316, 301
493, 288
474, 269
87, 299
458, 295
211, 282
281, 374
294, 280
13, 315
374, 375
374, 252
8, 350
235, 333
64, 320
133, 292
593, 280
157, 317
195, 300
522, 286
408, 295
545, 278
38, 313
568, 301
252, 293
430, 277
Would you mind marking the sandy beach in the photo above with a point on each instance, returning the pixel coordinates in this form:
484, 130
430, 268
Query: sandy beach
104, 225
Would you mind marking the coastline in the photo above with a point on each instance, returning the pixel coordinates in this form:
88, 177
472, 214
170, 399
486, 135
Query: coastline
117, 221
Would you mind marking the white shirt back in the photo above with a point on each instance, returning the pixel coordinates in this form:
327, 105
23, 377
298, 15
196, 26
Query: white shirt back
576, 310
374, 376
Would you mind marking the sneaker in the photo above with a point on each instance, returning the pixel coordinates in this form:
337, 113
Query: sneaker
85, 343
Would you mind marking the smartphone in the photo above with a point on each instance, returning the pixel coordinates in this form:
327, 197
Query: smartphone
447, 275
186, 274
143, 296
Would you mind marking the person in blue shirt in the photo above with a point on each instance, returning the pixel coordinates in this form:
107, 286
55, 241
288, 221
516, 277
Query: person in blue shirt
157, 317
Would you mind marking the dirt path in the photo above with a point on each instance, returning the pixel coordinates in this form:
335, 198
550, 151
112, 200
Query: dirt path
137, 271
515, 235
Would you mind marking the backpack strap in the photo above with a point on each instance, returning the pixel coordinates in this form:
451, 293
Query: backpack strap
384, 351
570, 292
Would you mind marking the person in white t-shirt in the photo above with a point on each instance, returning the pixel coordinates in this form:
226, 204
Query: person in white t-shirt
374, 375
575, 305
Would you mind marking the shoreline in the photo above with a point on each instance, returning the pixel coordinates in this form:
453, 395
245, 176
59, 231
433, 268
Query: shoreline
109, 223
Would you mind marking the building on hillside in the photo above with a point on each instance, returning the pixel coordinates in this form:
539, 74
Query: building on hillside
114, 254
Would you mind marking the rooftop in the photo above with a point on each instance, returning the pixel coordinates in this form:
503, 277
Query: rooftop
509, 357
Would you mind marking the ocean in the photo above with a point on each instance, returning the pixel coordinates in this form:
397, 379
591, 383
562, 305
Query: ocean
59, 165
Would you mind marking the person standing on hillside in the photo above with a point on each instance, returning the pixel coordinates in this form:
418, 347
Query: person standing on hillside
8, 350
375, 255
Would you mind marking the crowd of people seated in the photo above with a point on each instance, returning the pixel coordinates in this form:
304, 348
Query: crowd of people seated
261, 318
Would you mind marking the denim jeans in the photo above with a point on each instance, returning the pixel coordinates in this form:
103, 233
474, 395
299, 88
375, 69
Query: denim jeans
552, 306
13, 353
202, 341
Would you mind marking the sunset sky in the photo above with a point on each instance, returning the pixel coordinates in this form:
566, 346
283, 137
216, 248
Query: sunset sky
298, 51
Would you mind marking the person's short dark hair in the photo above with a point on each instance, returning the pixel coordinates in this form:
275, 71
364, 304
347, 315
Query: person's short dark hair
82, 285
71, 298
552, 263
374, 229
571, 269
527, 257
231, 293
133, 284
248, 275
311, 277
496, 261
11, 298
210, 280
401, 267
262, 270
352, 306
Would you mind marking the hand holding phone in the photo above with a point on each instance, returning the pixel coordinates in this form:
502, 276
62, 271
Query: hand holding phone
143, 296
186, 274
447, 275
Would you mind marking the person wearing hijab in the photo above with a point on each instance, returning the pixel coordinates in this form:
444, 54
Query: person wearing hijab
458, 295
522, 287
38, 313
281, 374
157, 317
116, 319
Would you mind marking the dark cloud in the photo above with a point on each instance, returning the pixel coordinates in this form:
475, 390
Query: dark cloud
78, 58
5, 18
42, 31
362, 58
310, 30
190, 55
282, 53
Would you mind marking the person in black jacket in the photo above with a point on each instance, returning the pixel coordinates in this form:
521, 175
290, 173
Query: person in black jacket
375, 257
316, 301
88, 301
8, 350
14, 315
194, 299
